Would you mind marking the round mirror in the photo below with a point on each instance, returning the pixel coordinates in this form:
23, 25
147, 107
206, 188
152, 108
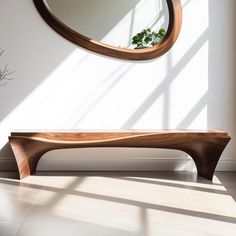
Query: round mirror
132, 30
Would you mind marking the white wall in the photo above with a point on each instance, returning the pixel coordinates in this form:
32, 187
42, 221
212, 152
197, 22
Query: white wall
60, 86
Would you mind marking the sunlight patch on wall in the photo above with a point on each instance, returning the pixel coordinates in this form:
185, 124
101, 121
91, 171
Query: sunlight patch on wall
191, 29
189, 94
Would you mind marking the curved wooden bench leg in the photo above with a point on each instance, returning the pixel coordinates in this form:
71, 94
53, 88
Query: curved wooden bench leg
206, 155
27, 154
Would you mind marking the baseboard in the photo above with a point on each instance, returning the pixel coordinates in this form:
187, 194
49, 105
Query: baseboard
119, 165
226, 165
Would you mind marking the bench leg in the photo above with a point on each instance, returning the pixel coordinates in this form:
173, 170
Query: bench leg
27, 154
206, 156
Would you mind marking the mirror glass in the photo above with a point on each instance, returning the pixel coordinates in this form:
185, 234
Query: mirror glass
112, 22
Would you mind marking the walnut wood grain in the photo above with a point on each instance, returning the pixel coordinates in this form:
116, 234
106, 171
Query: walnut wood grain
205, 147
175, 22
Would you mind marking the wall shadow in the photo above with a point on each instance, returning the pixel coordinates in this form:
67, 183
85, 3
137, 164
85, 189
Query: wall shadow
221, 110
33, 51
31, 58
165, 84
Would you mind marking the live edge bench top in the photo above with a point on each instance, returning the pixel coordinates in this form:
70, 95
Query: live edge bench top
92, 135
205, 147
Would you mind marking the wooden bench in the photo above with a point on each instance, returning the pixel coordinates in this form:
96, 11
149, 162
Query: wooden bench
205, 147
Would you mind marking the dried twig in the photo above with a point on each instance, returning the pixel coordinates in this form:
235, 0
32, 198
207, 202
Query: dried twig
5, 73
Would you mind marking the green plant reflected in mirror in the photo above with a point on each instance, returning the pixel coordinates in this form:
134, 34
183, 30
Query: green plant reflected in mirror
148, 38
131, 30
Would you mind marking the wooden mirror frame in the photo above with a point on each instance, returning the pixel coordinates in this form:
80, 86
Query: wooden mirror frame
175, 22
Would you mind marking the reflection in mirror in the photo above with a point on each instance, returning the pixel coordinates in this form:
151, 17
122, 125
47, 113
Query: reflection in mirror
125, 29
113, 22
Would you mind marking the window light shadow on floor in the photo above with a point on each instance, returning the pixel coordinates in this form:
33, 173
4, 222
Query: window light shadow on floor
132, 203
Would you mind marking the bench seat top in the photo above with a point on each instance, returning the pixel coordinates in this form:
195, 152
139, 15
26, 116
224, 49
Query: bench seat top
91, 135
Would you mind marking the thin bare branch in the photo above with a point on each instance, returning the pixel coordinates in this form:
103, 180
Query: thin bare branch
5, 73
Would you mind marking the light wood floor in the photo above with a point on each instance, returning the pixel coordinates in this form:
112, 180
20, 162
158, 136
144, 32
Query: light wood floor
118, 203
